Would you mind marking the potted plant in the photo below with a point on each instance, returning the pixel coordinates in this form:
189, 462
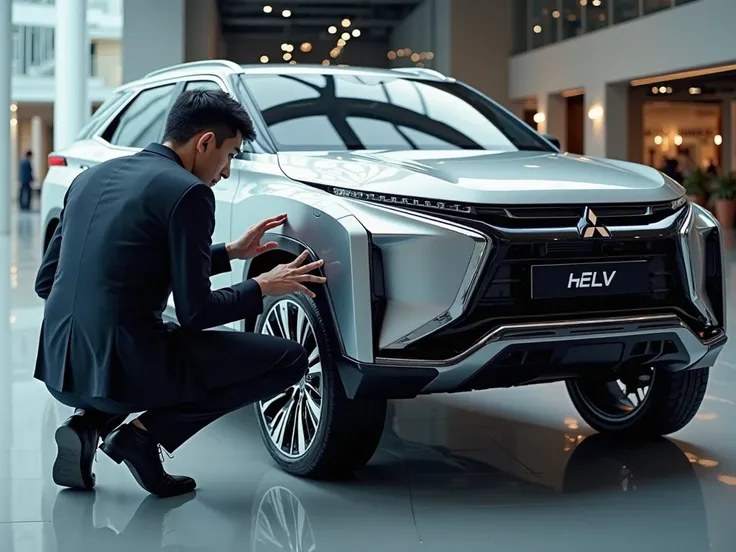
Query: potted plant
696, 185
724, 200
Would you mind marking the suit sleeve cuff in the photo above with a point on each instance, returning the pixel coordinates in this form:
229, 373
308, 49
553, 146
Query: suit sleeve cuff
253, 298
220, 259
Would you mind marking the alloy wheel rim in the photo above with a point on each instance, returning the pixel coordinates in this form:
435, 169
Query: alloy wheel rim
292, 418
616, 401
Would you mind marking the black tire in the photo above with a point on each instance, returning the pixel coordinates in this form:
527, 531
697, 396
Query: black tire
348, 431
672, 401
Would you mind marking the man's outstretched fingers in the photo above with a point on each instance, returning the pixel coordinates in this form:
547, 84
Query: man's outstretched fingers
312, 278
299, 260
304, 289
310, 267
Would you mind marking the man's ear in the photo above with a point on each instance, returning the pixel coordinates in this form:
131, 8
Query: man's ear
208, 138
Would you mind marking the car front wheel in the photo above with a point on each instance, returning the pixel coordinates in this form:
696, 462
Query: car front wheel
649, 403
313, 429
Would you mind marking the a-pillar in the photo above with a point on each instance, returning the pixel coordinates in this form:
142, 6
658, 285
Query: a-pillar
552, 115
606, 120
728, 147
71, 106
5, 130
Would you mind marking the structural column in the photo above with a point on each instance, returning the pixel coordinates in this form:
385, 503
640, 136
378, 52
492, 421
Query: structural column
38, 147
606, 120
5, 160
552, 117
71, 107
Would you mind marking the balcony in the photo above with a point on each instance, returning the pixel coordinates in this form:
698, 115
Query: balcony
540, 23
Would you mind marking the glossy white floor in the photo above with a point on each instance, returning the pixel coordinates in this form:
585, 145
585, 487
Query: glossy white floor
500, 470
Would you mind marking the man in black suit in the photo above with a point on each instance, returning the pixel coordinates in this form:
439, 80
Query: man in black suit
132, 230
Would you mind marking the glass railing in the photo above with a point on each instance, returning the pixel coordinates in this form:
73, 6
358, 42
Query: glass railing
539, 23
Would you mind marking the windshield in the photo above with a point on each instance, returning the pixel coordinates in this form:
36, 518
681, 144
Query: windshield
333, 112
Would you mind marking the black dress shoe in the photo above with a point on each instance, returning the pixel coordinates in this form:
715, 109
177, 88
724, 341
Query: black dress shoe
140, 453
76, 442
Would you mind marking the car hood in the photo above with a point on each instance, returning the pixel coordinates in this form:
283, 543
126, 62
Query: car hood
471, 176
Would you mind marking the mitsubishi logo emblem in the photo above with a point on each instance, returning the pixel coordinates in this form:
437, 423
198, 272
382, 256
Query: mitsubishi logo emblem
588, 226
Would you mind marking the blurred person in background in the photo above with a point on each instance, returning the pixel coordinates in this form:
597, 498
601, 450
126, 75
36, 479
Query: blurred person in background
26, 179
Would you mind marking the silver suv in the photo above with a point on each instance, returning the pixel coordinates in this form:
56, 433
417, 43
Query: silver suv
463, 251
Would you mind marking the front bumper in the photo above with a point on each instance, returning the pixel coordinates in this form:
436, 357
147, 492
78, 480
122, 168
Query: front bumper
535, 353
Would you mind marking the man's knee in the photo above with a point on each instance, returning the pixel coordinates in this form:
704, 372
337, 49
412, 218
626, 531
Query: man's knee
295, 362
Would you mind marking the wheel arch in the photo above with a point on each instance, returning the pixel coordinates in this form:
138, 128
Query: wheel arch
49, 227
288, 249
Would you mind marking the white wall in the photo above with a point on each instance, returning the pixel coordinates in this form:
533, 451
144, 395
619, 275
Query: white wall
695, 35
153, 36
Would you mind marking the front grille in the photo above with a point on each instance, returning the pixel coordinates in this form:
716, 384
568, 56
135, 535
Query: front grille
564, 216
504, 294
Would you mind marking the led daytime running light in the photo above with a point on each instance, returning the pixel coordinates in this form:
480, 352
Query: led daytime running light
403, 201
679, 202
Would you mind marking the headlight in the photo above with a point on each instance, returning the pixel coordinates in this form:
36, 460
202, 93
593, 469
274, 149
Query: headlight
679, 202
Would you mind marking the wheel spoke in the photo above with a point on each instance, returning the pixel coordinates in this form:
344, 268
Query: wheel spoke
313, 408
292, 418
282, 317
302, 327
315, 370
301, 422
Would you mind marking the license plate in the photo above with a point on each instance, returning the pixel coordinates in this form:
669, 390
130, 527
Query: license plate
590, 279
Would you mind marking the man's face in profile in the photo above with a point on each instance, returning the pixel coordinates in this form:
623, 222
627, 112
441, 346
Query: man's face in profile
213, 163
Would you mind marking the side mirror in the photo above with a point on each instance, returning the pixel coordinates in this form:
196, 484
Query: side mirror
554, 140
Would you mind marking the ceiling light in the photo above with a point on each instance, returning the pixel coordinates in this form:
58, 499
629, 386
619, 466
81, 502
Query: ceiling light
284, 47
694, 90
662, 89
596, 3
429, 55
556, 14
289, 47
332, 29
286, 56
537, 29
658, 140
13, 121
334, 52
391, 55
400, 52
595, 112
415, 57
345, 22
345, 36
678, 140
292, 62
325, 62
356, 33
13, 107
341, 43
718, 139
305, 47
655, 90
669, 90
286, 13
267, 9
420, 64
264, 59
539, 117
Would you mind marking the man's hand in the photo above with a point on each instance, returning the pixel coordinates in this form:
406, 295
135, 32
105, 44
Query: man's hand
249, 244
287, 278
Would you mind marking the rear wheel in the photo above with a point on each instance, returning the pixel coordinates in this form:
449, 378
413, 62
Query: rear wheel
313, 429
648, 403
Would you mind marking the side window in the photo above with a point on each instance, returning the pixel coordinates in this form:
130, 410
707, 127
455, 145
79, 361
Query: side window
205, 84
143, 120
102, 113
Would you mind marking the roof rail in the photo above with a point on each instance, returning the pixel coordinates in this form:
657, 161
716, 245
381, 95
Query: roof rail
213, 63
420, 71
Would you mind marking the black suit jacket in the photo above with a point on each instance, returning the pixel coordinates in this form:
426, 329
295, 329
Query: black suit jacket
133, 230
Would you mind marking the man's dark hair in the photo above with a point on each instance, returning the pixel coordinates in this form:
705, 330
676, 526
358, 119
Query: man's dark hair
29, 153
200, 110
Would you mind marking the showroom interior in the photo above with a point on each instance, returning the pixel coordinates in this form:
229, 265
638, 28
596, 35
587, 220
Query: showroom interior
646, 82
